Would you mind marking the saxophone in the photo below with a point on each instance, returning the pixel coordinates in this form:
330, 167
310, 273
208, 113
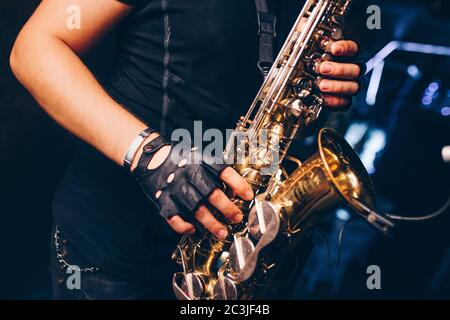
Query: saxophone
255, 256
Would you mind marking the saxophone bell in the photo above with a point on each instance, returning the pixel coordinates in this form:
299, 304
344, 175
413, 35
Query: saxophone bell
332, 177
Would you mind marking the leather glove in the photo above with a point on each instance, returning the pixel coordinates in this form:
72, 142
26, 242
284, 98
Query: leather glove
178, 188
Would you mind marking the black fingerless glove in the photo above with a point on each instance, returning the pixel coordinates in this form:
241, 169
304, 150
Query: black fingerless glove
178, 187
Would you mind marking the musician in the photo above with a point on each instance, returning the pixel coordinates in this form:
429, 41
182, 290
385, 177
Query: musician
177, 61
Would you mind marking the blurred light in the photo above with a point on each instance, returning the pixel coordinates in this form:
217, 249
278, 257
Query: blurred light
445, 111
446, 154
431, 92
309, 140
426, 101
405, 46
381, 55
374, 84
342, 214
414, 72
374, 144
434, 86
424, 48
355, 132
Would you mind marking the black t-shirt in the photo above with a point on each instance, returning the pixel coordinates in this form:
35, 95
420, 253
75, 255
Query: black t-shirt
178, 61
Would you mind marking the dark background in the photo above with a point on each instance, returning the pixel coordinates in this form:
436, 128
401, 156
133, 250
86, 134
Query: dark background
409, 174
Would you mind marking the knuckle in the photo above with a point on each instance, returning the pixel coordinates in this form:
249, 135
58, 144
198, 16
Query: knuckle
338, 86
338, 69
239, 180
239, 185
348, 88
227, 206
351, 71
332, 101
226, 173
231, 211
215, 196
186, 229
329, 100
181, 230
242, 187
351, 45
201, 213
172, 221
176, 227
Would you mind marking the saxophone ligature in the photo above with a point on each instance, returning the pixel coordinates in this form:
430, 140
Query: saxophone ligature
254, 257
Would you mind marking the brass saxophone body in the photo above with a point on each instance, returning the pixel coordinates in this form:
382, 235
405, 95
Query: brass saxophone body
254, 256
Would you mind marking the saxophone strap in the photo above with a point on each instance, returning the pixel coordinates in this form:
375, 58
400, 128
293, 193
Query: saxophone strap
267, 34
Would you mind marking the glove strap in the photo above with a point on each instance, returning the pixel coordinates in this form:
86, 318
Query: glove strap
149, 151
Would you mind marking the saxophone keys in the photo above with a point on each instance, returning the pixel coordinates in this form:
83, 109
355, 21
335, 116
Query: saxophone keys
333, 32
315, 60
336, 33
325, 43
261, 215
240, 251
336, 20
326, 57
224, 289
313, 65
193, 286
317, 83
302, 86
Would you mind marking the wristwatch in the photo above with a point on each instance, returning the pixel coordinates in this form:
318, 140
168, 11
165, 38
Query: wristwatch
134, 147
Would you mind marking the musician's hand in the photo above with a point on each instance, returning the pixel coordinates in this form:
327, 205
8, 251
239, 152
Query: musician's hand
181, 189
340, 80
221, 202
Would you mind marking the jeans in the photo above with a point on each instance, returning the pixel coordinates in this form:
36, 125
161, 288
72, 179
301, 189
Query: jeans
73, 278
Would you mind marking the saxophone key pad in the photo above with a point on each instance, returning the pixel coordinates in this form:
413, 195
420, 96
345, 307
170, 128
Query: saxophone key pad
240, 251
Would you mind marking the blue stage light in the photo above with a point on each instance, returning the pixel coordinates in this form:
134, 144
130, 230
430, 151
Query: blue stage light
342, 214
434, 86
445, 111
426, 100
414, 72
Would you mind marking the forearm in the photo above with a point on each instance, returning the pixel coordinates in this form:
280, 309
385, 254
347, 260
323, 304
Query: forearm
70, 94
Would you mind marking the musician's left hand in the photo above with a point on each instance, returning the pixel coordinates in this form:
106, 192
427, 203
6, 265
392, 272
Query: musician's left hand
340, 80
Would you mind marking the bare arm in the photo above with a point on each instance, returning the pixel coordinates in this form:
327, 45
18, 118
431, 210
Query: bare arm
45, 60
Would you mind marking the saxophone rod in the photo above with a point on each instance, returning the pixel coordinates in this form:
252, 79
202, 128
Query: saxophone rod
379, 222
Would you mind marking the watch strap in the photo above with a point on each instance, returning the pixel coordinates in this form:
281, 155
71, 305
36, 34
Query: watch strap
134, 147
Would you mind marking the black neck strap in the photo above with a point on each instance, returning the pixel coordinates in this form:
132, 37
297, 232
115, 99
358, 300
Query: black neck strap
267, 34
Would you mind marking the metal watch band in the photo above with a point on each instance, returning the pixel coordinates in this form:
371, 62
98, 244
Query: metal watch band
134, 147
